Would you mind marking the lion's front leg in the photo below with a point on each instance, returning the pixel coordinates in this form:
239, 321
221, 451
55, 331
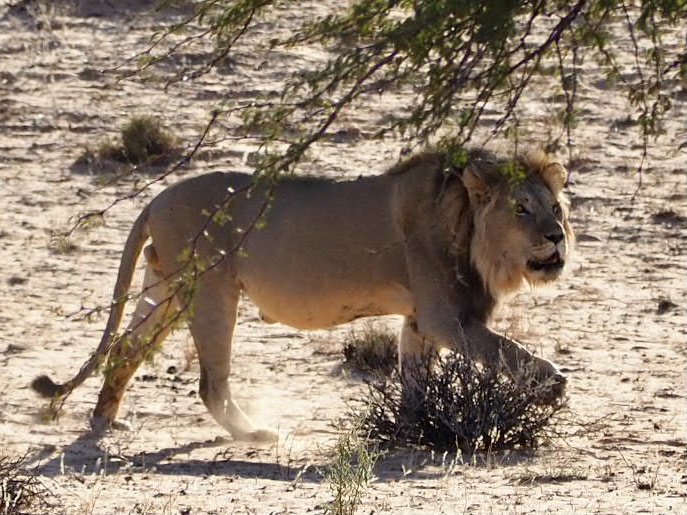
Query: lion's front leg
500, 351
415, 356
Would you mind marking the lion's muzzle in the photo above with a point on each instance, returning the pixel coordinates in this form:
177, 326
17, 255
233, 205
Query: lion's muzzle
553, 263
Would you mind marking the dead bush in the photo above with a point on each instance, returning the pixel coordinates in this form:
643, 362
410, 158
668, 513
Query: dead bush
373, 351
20, 489
458, 405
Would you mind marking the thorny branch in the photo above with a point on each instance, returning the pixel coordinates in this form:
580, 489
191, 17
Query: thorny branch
451, 56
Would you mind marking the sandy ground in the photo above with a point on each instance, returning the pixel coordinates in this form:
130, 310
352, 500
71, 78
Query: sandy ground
617, 323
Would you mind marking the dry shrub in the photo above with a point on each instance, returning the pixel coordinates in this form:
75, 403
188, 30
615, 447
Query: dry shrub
144, 141
20, 490
459, 406
374, 351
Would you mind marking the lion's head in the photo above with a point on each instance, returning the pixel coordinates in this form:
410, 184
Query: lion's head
520, 219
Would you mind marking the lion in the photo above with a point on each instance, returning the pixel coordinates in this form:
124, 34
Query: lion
433, 241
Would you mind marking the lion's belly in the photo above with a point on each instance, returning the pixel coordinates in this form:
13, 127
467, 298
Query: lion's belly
326, 252
330, 306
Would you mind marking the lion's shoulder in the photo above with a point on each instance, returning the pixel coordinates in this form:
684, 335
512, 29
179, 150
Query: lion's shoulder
426, 160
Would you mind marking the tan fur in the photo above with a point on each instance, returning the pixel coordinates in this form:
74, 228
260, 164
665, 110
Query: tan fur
434, 242
504, 273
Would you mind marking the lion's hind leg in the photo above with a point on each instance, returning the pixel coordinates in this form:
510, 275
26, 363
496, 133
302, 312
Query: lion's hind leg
212, 325
150, 323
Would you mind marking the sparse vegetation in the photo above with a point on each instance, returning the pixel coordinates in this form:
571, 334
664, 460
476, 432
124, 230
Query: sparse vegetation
374, 350
459, 60
143, 141
552, 475
463, 406
643, 477
20, 489
460, 406
60, 243
350, 472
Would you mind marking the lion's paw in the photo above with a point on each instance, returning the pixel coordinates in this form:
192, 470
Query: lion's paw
552, 389
100, 425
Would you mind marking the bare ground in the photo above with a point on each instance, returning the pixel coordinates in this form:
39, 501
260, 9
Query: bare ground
617, 323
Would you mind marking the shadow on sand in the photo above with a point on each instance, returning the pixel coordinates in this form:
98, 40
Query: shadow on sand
88, 455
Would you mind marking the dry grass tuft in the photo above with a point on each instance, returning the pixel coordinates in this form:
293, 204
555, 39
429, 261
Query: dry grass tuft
144, 142
373, 351
144, 139
459, 406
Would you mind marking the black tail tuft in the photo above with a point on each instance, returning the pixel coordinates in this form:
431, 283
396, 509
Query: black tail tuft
46, 387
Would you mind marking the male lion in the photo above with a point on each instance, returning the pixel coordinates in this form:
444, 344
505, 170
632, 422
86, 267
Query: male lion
434, 242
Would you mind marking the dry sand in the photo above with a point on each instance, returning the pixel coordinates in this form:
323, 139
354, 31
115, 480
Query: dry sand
616, 323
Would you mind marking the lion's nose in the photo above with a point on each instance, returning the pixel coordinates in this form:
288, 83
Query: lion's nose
555, 237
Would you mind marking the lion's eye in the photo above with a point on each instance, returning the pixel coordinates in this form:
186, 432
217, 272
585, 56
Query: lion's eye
521, 210
557, 210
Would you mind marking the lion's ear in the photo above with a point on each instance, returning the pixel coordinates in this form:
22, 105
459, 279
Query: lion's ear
555, 175
477, 187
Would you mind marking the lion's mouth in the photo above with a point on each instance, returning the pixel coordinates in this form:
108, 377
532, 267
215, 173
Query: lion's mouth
553, 263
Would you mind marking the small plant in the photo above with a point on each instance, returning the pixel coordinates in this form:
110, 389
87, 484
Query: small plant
61, 243
457, 405
143, 141
373, 351
350, 473
641, 475
20, 490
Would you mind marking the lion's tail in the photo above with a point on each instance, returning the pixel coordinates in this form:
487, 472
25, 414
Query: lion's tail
45, 386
